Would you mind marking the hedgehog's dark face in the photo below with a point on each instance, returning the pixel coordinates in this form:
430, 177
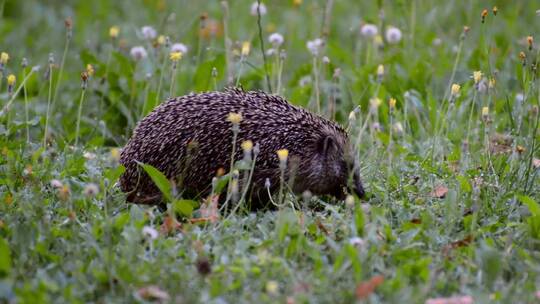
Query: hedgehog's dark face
332, 169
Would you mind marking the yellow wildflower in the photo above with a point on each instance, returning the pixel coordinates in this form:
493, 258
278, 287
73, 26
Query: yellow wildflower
161, 40
4, 57
11, 80
245, 48
114, 31
375, 102
282, 154
234, 118
247, 145
477, 76
392, 103
90, 70
380, 70
455, 89
175, 56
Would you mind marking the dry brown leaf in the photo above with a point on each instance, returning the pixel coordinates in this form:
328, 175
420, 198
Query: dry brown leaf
321, 227
416, 221
451, 300
460, 243
169, 225
439, 192
153, 292
364, 289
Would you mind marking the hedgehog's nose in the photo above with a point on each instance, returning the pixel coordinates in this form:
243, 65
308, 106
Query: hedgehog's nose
358, 187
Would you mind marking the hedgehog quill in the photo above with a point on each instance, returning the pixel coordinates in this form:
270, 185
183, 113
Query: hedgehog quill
189, 139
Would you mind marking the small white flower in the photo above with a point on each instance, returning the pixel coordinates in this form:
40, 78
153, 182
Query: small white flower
148, 32
262, 9
398, 128
519, 97
326, 60
150, 232
91, 190
138, 52
437, 41
356, 241
276, 39
89, 155
315, 46
179, 47
304, 81
271, 52
393, 34
56, 184
369, 30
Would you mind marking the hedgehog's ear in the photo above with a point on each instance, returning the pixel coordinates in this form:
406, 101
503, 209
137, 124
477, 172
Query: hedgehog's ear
325, 145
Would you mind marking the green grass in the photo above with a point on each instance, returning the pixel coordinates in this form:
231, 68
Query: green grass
452, 207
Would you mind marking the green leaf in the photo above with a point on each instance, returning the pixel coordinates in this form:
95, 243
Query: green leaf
113, 174
534, 208
5, 258
159, 179
184, 207
464, 184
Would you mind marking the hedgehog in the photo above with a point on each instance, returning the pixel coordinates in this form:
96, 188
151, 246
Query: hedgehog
189, 139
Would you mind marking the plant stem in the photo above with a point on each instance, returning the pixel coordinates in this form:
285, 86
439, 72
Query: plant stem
79, 117
48, 107
26, 108
261, 41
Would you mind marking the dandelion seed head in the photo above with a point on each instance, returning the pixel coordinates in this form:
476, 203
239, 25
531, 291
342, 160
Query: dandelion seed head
393, 35
179, 47
148, 32
315, 46
255, 7
369, 30
138, 52
276, 39
150, 232
91, 190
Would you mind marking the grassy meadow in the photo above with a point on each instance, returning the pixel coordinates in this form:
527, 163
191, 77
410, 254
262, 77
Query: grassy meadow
440, 98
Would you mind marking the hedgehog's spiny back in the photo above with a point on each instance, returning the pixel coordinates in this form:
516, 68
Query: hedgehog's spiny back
162, 138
